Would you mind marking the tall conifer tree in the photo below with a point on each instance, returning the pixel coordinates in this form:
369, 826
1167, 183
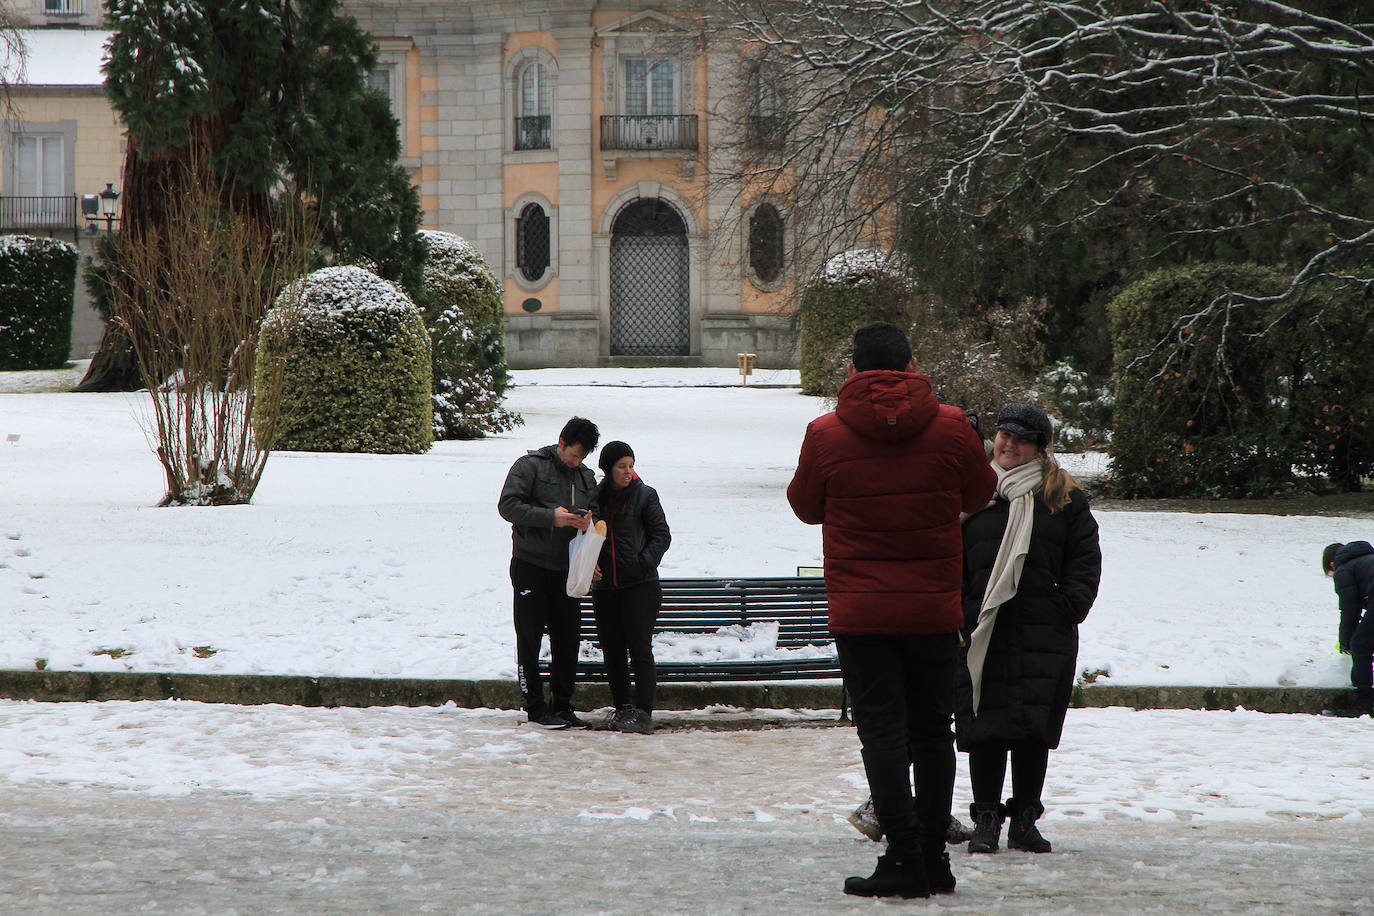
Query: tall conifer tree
275, 94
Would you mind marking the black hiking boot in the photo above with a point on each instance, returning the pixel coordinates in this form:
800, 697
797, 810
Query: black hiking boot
1021, 829
987, 827
939, 877
895, 876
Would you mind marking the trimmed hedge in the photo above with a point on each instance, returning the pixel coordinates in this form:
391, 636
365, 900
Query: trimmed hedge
832, 308
356, 362
465, 315
37, 288
1217, 396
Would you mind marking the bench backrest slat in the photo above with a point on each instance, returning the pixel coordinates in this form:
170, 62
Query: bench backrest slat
702, 605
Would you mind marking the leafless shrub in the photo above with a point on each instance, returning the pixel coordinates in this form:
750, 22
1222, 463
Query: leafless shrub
191, 292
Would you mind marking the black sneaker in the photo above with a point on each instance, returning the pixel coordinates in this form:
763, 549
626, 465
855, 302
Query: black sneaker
570, 719
1358, 705
546, 719
638, 722
620, 718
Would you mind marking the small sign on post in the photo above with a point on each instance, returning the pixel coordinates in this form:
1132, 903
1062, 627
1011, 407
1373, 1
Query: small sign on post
746, 367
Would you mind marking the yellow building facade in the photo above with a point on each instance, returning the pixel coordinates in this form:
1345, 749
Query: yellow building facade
588, 153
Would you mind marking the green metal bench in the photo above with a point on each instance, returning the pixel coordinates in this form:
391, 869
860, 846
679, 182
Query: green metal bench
704, 606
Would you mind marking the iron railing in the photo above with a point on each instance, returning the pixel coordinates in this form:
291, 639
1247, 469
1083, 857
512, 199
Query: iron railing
534, 132
50, 213
674, 132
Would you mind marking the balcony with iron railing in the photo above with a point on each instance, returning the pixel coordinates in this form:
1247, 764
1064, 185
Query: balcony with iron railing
39, 213
534, 132
649, 132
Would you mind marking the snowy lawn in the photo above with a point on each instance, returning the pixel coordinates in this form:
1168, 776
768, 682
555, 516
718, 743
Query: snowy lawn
361, 565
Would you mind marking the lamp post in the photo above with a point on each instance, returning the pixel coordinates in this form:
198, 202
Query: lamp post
109, 206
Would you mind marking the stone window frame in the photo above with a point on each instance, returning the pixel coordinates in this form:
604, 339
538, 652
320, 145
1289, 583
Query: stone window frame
391, 56
9, 137
512, 215
654, 36
510, 103
788, 240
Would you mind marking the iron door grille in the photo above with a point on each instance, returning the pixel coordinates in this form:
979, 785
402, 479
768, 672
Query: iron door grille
650, 305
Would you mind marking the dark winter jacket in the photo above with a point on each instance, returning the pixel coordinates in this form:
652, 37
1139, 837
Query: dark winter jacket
637, 536
1032, 658
1354, 581
538, 483
887, 475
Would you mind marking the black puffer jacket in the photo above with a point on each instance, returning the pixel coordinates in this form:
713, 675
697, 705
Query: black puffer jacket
1354, 582
538, 483
637, 536
1029, 673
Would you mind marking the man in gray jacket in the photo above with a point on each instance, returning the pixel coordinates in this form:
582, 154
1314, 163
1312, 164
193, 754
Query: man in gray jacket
549, 495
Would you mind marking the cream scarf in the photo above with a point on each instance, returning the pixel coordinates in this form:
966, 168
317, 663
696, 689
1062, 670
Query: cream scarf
1017, 486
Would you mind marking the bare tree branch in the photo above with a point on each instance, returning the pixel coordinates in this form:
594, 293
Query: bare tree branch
1198, 116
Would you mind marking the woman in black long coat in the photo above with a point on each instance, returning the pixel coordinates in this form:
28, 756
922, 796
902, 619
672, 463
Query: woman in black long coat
1031, 569
626, 593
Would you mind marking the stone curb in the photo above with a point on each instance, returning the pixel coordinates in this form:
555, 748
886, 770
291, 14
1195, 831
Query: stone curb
254, 689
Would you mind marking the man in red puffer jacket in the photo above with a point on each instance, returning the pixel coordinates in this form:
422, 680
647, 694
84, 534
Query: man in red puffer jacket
887, 476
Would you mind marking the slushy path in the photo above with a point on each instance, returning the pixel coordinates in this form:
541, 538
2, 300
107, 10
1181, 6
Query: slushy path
184, 808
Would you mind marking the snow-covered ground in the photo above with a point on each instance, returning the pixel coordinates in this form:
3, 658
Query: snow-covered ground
366, 565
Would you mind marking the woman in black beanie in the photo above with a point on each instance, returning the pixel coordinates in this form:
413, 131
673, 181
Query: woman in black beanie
626, 594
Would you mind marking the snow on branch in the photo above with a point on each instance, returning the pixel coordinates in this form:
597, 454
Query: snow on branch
1212, 118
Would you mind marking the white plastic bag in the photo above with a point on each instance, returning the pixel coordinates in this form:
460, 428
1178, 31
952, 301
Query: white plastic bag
583, 551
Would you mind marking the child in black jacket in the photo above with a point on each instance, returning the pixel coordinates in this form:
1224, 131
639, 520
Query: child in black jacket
1351, 566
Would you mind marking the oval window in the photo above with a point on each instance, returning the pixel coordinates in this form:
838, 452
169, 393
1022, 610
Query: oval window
532, 242
766, 243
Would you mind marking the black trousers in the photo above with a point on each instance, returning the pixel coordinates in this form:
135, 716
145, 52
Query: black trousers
542, 604
987, 770
902, 691
625, 619
1362, 656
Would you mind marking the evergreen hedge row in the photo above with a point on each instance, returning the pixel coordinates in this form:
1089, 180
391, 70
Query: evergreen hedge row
37, 285
356, 362
1222, 396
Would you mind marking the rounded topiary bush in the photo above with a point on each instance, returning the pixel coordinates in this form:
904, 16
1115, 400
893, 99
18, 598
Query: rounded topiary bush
354, 363
466, 320
37, 284
855, 289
